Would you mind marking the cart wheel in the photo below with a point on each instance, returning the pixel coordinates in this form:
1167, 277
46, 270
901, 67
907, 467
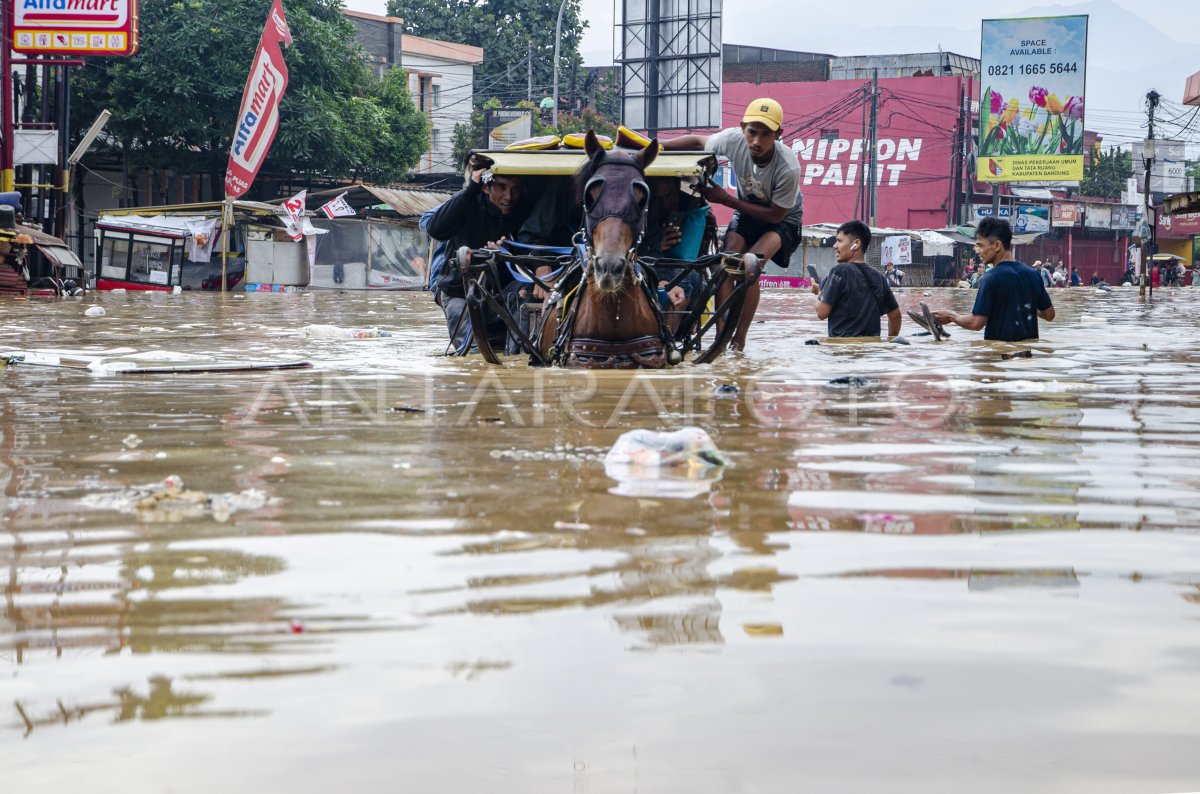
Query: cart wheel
475, 306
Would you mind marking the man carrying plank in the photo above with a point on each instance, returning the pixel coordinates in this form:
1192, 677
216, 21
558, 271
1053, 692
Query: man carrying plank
1011, 295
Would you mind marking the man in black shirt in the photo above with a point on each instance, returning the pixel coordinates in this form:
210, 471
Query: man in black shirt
1011, 295
853, 295
483, 213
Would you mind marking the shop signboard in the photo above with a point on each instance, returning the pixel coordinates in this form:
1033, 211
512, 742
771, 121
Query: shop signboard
1124, 217
1029, 217
75, 27
1098, 216
1031, 114
1176, 226
1064, 214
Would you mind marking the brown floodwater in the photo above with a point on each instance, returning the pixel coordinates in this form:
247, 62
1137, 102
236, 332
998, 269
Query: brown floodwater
959, 571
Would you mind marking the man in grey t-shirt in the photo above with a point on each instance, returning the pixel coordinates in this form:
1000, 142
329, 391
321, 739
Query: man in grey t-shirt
767, 207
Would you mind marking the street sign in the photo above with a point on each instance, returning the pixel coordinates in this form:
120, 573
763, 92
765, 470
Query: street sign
75, 27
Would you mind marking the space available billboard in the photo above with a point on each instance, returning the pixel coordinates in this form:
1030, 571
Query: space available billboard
1033, 77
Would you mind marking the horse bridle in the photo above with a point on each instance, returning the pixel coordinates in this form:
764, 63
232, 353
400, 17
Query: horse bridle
610, 206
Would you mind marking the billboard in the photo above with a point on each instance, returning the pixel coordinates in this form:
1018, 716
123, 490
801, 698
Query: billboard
670, 64
918, 122
507, 125
75, 27
1033, 76
1030, 217
1064, 214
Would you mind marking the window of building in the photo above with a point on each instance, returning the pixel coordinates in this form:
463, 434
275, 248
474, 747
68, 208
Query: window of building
436, 95
114, 257
425, 93
150, 262
435, 140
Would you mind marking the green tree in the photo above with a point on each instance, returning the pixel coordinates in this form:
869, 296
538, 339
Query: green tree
175, 103
512, 33
1105, 176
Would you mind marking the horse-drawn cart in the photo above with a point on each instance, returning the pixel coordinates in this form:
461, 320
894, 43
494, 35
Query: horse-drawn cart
604, 304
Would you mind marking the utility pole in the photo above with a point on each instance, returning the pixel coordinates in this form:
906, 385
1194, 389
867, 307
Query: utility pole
529, 78
956, 161
873, 196
652, 70
1148, 161
860, 201
557, 41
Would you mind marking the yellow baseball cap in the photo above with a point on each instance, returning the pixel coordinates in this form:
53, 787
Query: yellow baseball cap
764, 111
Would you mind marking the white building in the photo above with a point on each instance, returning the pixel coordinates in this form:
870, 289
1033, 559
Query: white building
441, 77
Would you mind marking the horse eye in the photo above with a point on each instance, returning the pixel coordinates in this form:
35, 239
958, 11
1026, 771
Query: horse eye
640, 193
593, 192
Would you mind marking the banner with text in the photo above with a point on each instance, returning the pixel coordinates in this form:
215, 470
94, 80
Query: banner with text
258, 118
1064, 214
1031, 112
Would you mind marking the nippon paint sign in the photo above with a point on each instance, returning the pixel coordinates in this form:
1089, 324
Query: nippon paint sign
75, 27
844, 161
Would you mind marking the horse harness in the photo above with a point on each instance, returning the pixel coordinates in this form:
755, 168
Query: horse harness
650, 352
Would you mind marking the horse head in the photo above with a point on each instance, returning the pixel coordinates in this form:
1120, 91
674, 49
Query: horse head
615, 198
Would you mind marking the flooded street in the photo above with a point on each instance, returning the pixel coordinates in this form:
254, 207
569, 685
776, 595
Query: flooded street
952, 571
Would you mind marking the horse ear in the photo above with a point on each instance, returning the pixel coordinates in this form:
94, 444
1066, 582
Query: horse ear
648, 154
591, 144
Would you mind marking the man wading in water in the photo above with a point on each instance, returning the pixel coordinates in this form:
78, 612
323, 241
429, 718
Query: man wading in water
1011, 296
853, 295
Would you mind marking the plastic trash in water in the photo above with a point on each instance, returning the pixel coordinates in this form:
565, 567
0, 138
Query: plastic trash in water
669, 465
337, 332
689, 446
177, 290
94, 311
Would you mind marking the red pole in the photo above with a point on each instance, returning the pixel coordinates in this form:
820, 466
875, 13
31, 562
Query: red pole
7, 176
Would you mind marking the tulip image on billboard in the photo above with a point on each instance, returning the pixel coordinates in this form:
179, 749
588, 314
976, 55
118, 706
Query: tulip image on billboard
1033, 76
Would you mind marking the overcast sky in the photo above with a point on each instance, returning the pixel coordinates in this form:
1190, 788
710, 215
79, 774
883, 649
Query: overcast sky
1133, 45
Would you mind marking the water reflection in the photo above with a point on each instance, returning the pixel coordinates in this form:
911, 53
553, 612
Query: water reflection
161, 701
442, 542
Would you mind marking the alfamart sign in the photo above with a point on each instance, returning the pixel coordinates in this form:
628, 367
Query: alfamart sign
75, 27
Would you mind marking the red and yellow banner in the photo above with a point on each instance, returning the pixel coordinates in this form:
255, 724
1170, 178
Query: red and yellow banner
258, 118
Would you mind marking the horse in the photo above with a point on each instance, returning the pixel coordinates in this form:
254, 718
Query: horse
610, 318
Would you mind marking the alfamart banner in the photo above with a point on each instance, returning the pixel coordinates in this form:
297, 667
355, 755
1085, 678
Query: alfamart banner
1031, 110
258, 118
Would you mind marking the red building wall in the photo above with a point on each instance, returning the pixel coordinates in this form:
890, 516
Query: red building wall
824, 125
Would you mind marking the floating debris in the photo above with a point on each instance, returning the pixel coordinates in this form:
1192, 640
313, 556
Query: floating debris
853, 381
688, 446
336, 332
168, 501
94, 311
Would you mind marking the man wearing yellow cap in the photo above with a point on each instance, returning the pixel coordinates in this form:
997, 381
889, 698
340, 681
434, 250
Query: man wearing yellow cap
768, 206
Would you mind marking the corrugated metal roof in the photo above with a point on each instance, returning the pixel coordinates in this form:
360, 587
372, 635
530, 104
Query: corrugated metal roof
410, 202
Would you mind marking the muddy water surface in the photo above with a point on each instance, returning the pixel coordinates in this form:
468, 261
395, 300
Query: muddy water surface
950, 571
